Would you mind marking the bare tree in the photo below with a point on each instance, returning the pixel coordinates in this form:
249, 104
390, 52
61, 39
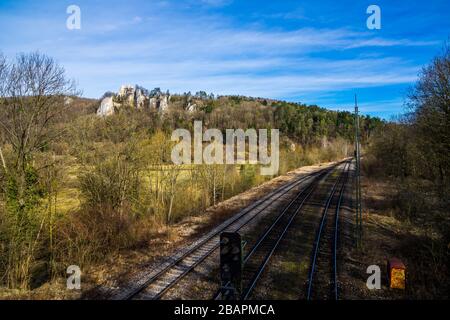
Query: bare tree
33, 91
430, 103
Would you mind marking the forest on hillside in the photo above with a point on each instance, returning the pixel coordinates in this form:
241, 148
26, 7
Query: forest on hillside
76, 188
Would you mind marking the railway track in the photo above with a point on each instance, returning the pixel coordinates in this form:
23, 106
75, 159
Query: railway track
256, 260
154, 285
258, 257
322, 280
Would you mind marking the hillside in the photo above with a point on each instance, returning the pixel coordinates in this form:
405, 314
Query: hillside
305, 124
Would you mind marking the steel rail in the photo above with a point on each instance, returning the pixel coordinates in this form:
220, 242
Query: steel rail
185, 272
276, 194
319, 233
281, 215
336, 233
261, 268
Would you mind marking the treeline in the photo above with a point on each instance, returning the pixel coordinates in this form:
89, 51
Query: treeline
309, 124
303, 124
418, 144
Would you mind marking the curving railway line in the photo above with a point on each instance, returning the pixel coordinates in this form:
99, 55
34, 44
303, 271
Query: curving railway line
258, 257
156, 284
294, 196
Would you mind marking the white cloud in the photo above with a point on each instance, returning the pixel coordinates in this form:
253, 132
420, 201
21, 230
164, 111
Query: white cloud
216, 3
194, 53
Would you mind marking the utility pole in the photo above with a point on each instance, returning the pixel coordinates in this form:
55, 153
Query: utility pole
358, 178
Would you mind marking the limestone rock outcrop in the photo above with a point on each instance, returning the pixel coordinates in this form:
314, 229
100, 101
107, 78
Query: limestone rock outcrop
164, 103
134, 97
191, 107
106, 107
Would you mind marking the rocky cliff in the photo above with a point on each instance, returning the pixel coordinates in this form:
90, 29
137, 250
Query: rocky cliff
133, 97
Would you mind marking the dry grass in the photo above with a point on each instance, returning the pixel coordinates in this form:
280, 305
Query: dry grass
388, 233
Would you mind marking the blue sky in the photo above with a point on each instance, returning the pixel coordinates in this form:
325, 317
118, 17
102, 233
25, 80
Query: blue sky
315, 52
